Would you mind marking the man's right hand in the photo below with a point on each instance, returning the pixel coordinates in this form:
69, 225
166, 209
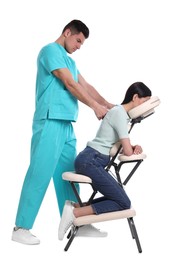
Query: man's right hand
100, 111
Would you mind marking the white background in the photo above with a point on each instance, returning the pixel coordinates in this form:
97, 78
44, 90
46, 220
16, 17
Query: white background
130, 40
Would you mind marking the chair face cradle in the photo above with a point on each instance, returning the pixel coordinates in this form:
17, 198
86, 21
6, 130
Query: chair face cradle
117, 161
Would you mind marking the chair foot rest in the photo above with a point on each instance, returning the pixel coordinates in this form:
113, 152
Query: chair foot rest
128, 213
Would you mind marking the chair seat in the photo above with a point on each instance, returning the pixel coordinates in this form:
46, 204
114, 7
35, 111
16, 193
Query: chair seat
72, 176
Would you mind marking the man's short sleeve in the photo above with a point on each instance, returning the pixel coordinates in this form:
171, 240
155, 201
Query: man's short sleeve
52, 58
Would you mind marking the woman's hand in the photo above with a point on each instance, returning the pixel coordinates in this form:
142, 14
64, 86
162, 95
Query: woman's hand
137, 149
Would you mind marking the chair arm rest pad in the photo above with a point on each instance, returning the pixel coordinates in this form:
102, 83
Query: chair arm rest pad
132, 157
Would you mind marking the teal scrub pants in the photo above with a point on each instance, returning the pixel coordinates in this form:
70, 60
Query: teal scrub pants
53, 151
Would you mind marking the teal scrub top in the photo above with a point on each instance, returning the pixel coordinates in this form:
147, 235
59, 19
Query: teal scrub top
113, 127
53, 100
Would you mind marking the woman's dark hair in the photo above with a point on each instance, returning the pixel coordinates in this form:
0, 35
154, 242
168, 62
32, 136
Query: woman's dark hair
76, 26
138, 88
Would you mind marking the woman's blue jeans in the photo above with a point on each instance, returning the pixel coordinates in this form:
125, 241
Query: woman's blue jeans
91, 163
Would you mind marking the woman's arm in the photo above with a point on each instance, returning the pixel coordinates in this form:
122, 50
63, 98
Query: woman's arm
128, 149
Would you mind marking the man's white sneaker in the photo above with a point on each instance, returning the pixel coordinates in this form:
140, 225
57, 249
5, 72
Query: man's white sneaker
24, 236
66, 219
90, 231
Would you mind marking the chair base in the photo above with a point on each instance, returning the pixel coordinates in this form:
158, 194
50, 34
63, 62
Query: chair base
90, 219
71, 235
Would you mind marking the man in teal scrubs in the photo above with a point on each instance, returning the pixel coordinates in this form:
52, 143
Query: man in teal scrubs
59, 86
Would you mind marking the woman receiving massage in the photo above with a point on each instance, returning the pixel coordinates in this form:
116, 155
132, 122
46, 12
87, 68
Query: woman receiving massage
95, 157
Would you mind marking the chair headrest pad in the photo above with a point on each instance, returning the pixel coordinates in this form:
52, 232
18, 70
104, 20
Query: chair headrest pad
145, 108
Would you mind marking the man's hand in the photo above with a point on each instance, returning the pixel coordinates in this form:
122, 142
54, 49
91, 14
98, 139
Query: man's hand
110, 105
100, 111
